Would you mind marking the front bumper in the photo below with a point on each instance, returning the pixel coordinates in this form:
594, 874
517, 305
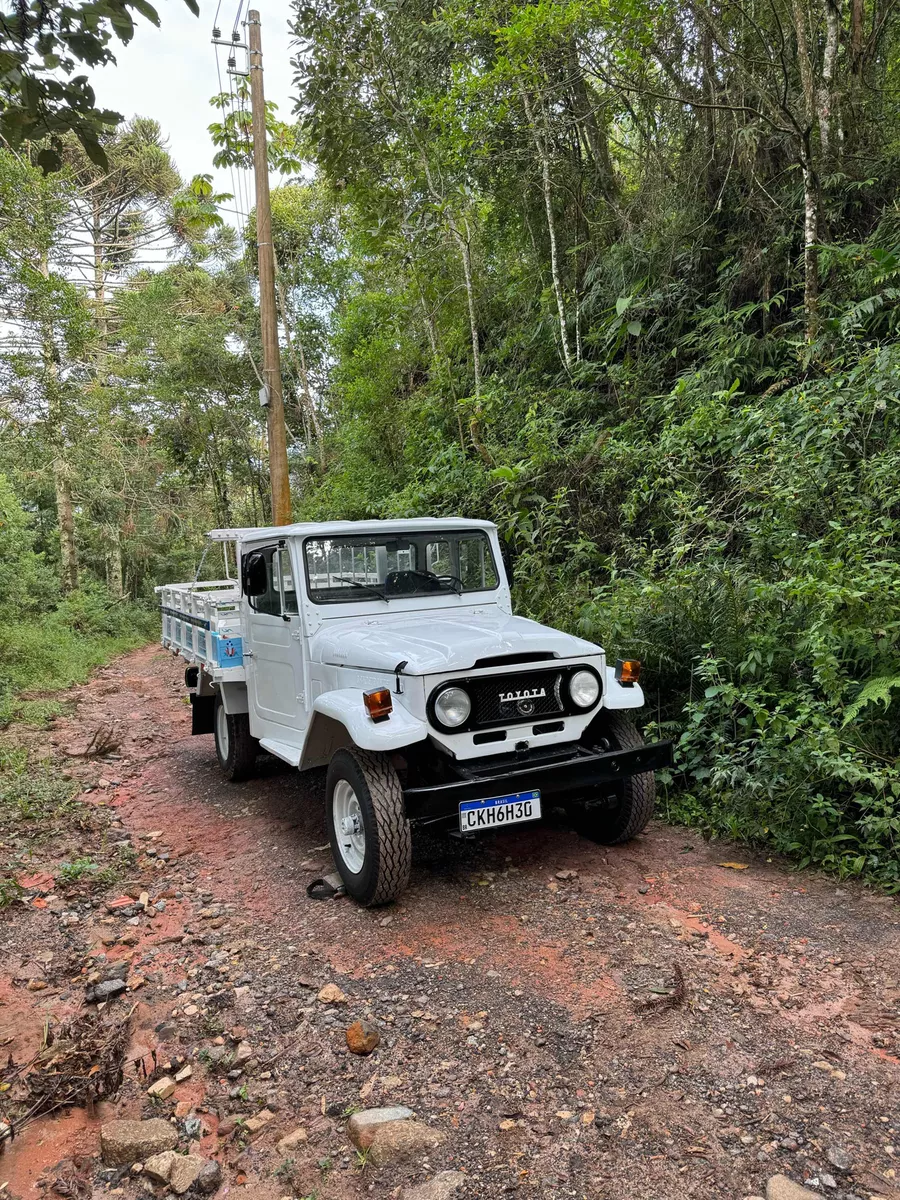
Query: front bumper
558, 774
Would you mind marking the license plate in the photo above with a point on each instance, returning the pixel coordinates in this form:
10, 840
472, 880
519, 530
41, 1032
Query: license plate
476, 815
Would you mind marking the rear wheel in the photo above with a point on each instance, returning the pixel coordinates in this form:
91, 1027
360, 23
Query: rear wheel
236, 749
367, 827
623, 818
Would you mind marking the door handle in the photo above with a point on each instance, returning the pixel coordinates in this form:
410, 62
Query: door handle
248, 654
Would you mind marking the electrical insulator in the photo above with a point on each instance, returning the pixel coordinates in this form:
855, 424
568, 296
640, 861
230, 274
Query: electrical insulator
217, 33
232, 61
235, 36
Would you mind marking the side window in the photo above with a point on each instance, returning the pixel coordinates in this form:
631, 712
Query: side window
285, 574
268, 601
476, 564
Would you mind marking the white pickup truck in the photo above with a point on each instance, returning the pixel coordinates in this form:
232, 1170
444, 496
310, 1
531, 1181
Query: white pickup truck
388, 652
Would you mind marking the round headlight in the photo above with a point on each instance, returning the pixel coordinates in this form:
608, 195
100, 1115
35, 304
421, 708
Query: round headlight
452, 707
584, 688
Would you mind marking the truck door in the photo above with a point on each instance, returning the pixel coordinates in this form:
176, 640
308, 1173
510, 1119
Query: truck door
275, 669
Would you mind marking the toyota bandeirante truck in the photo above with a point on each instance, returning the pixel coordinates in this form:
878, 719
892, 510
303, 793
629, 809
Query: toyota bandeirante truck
388, 652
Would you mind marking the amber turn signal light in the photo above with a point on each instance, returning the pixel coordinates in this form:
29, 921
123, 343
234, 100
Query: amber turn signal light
378, 703
628, 670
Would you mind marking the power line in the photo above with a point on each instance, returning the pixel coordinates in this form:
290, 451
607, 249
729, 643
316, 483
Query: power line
234, 189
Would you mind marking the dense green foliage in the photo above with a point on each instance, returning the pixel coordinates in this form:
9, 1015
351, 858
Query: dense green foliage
677, 248
624, 280
49, 641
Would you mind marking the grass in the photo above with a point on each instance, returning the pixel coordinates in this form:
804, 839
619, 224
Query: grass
9, 891
32, 795
52, 651
31, 791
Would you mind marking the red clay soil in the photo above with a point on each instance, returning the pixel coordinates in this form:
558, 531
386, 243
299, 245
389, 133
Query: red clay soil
637, 1023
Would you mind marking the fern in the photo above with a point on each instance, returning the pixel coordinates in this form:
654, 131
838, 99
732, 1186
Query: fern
876, 691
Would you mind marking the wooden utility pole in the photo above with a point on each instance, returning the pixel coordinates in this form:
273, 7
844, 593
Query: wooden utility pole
278, 466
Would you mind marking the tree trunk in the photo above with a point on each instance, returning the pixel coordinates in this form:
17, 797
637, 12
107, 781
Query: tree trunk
464, 242
464, 245
857, 34
99, 274
114, 562
830, 138
65, 515
465, 251
811, 197
810, 248
594, 132
547, 188
62, 484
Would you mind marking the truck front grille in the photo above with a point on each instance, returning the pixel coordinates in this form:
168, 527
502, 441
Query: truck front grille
514, 699
505, 699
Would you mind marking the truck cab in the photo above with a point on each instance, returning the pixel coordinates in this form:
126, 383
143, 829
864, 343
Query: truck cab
388, 652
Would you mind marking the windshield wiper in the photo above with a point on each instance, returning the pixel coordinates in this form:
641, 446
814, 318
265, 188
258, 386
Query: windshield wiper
366, 587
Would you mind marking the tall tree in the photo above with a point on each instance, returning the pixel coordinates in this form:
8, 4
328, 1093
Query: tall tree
42, 43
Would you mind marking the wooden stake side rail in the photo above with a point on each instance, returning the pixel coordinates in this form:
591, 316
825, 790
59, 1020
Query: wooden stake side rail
202, 623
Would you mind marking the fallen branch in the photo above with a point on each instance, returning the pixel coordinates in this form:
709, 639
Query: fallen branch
104, 740
673, 999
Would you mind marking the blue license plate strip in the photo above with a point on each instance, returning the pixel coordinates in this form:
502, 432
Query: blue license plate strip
499, 811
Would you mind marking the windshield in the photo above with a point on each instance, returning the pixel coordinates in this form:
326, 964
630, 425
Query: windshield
391, 566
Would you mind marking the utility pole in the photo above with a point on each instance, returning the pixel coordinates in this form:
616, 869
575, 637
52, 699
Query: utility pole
278, 466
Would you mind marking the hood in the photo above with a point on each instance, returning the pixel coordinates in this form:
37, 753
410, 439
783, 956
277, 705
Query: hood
433, 644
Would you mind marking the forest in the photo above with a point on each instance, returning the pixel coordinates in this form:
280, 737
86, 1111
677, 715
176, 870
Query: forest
623, 279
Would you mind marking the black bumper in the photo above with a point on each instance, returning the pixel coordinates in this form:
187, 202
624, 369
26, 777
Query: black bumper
567, 771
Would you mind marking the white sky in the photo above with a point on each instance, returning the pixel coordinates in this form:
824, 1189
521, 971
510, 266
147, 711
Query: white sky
169, 73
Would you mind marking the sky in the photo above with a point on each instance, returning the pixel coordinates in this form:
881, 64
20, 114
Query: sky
169, 73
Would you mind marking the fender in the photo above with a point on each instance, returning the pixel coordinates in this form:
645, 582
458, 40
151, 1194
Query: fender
616, 695
234, 697
340, 717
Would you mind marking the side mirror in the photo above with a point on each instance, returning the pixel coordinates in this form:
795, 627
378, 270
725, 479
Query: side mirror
507, 557
255, 578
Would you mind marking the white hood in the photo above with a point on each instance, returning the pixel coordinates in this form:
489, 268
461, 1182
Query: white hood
433, 644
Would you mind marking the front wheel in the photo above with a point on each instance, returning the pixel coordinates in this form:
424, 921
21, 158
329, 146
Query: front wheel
236, 748
367, 827
627, 816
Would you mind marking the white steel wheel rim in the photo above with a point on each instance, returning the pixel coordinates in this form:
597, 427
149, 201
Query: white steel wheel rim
349, 830
222, 730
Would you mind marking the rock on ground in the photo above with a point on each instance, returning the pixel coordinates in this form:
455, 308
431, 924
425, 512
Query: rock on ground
362, 1125
838, 1157
780, 1187
163, 1088
181, 1171
391, 1134
331, 994
363, 1037
398, 1140
186, 1170
292, 1140
125, 1142
443, 1187
159, 1166
209, 1178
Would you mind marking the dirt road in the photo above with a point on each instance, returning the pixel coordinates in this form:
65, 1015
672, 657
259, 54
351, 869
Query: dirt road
640, 1023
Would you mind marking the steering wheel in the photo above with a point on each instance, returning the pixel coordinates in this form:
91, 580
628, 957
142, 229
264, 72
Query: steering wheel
407, 583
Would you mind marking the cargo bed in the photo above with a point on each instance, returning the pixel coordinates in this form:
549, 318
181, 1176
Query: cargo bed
202, 623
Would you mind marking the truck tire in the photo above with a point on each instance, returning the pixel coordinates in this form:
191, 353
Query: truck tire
367, 827
236, 750
613, 824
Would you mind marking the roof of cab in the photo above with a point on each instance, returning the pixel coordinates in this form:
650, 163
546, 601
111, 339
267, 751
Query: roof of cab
342, 528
